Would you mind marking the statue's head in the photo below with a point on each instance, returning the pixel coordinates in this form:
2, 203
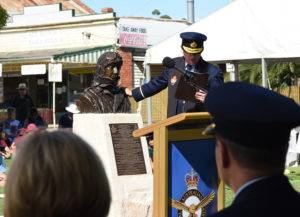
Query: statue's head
109, 65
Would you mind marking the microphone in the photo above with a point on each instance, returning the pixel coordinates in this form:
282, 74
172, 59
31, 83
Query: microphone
170, 63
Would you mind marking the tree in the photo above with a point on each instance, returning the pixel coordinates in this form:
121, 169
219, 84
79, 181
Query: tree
156, 12
250, 73
3, 17
283, 74
165, 17
280, 74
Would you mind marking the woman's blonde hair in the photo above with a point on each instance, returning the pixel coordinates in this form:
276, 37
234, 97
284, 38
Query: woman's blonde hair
56, 174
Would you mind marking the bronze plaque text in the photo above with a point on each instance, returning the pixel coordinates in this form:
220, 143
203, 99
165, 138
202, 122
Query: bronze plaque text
128, 149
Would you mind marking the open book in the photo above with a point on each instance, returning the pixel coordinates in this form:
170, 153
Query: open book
186, 91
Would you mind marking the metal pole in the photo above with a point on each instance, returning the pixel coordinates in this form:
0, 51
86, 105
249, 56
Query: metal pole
53, 107
190, 11
233, 69
53, 99
264, 72
149, 107
236, 71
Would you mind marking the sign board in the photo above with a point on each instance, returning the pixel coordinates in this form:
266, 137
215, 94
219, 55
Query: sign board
38, 69
43, 38
229, 67
55, 72
133, 36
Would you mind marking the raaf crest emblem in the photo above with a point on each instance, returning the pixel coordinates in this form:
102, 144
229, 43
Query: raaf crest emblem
192, 203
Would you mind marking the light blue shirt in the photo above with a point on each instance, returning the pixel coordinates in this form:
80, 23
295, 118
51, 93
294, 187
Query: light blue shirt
247, 184
193, 67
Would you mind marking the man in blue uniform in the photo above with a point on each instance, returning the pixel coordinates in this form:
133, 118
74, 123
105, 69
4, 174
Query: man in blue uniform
252, 126
192, 47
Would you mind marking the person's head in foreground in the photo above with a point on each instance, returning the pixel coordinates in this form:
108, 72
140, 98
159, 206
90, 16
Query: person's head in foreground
252, 126
56, 174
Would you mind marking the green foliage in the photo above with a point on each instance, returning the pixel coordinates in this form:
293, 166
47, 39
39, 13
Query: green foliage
283, 74
250, 73
294, 174
3, 17
226, 76
280, 74
156, 12
165, 17
229, 196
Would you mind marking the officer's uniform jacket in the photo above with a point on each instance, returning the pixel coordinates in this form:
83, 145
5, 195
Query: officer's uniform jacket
273, 196
170, 78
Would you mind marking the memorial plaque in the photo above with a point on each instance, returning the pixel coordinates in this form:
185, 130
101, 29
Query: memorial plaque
128, 150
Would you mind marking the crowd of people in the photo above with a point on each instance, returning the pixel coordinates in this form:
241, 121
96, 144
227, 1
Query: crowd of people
21, 118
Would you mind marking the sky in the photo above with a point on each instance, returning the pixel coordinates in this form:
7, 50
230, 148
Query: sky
176, 9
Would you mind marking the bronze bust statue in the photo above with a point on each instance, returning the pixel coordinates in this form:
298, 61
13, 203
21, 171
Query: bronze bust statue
104, 95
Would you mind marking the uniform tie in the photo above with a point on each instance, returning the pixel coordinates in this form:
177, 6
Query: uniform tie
189, 68
182, 105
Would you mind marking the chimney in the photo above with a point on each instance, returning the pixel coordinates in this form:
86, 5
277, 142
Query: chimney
190, 11
107, 10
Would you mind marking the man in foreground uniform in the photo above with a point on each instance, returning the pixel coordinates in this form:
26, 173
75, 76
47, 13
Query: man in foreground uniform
252, 126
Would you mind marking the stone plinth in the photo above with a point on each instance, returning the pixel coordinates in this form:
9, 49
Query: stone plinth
126, 160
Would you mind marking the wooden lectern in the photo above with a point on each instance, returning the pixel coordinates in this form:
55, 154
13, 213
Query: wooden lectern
185, 175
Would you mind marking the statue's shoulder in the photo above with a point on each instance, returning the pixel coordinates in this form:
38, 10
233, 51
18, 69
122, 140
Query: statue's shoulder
93, 90
89, 99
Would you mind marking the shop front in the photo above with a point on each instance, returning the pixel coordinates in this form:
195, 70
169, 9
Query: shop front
77, 68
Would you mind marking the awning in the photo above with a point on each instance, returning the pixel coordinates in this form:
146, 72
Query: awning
83, 56
71, 55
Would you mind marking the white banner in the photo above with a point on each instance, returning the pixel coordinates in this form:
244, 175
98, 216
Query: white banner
38, 69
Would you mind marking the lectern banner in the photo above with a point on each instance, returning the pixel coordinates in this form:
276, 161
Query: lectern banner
192, 178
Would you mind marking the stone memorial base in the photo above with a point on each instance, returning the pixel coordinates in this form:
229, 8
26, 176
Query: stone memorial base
125, 158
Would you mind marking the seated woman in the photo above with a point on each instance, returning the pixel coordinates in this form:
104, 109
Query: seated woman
56, 174
66, 120
35, 118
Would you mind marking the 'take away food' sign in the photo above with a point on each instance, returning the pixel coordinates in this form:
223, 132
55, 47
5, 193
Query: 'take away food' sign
133, 36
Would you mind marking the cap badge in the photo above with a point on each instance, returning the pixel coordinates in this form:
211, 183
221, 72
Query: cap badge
193, 44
